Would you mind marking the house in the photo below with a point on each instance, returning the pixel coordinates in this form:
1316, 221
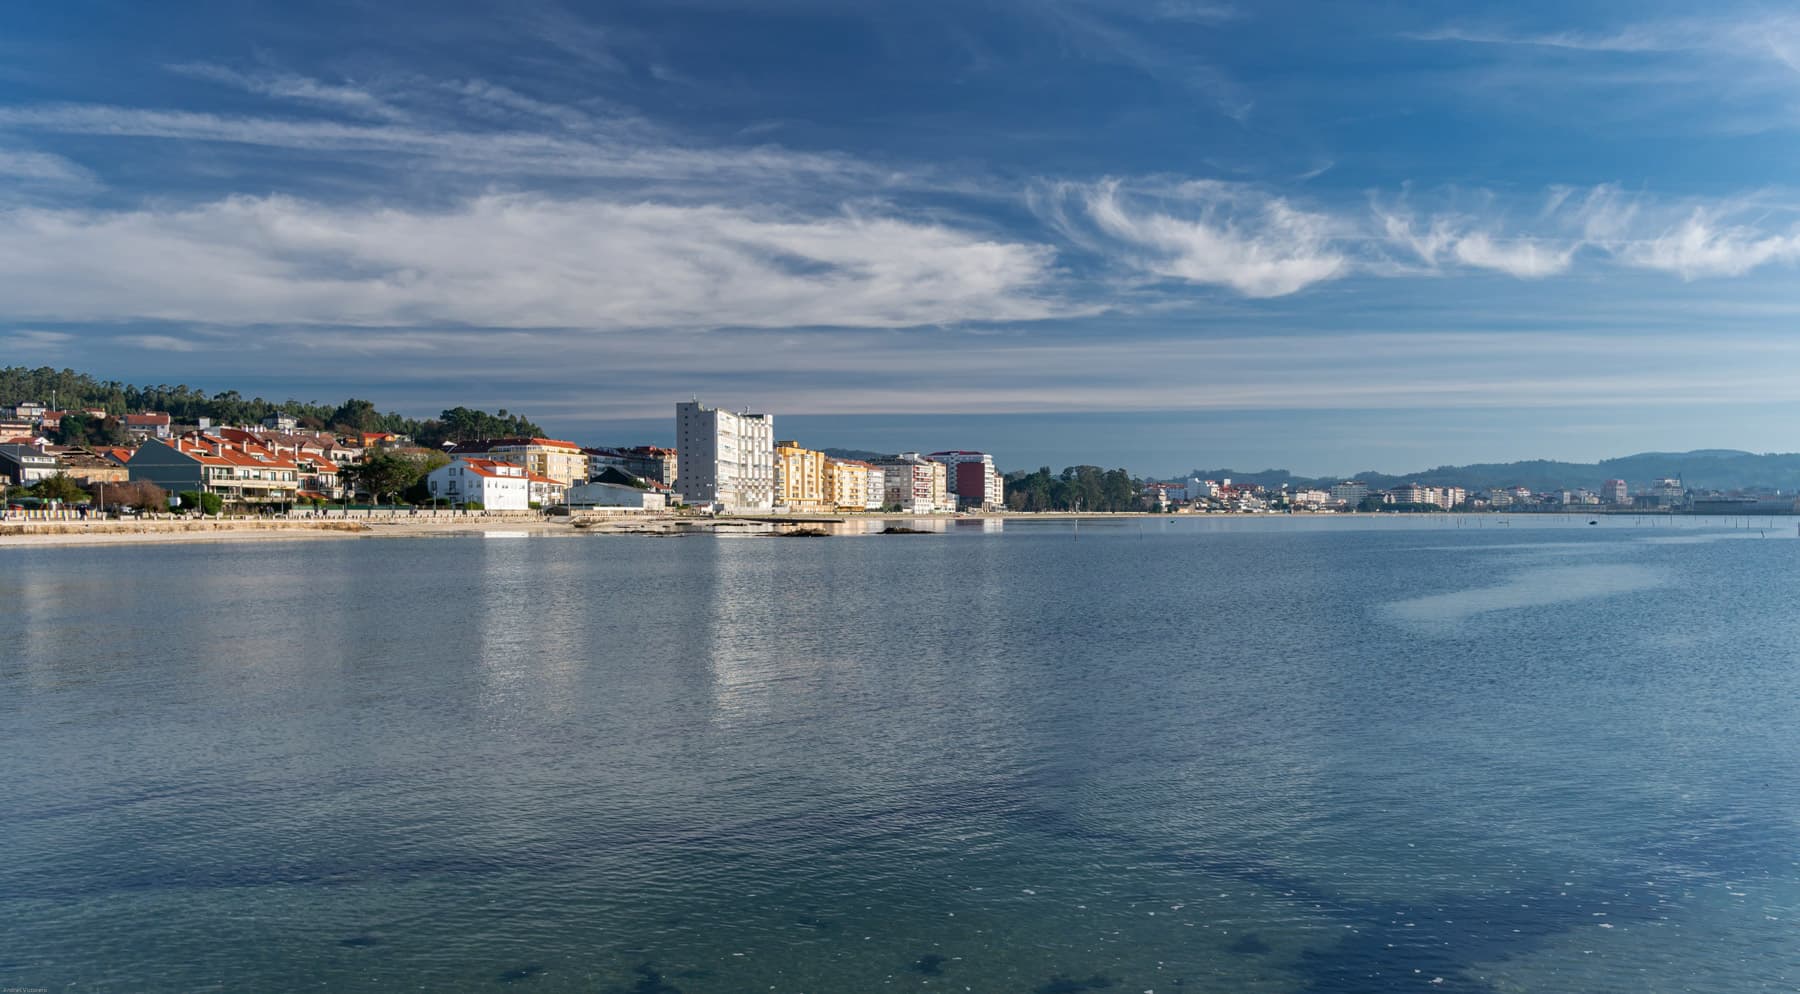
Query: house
562, 461
496, 486
87, 467
281, 422
24, 465
319, 476
239, 472
153, 425
546, 491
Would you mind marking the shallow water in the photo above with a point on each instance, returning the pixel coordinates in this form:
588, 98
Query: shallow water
1195, 755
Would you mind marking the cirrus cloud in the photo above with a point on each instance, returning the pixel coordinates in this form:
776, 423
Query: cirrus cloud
513, 261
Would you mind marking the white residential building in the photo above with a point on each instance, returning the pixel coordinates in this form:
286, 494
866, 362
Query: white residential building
497, 486
972, 479
1349, 492
914, 484
727, 459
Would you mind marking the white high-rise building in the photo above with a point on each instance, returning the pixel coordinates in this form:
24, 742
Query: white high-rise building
727, 459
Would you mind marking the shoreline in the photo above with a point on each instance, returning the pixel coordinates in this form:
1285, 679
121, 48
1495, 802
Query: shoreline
52, 534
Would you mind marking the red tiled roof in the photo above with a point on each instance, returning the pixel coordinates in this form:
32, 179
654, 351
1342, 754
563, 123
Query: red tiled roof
486, 467
489, 444
212, 450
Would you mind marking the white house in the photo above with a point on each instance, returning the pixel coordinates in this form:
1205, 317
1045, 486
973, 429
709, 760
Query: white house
498, 486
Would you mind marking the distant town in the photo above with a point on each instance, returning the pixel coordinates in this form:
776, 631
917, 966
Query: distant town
62, 462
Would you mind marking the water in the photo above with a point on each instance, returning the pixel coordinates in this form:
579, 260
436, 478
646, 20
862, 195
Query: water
1188, 756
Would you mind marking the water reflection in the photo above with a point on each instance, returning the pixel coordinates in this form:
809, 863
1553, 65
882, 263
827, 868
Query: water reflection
1440, 614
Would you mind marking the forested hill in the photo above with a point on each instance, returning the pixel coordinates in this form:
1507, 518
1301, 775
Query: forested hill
71, 390
1703, 469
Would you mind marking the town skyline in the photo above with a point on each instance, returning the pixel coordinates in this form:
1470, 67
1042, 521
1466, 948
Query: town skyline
1328, 237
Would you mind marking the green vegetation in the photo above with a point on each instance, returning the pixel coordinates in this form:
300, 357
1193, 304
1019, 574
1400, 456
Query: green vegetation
393, 473
1077, 488
71, 390
60, 488
209, 504
79, 429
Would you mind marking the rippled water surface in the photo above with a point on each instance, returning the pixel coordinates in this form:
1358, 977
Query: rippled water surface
1181, 756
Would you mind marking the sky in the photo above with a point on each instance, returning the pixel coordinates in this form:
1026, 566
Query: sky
1164, 234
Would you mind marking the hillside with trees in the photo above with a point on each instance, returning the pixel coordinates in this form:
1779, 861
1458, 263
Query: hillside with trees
73, 391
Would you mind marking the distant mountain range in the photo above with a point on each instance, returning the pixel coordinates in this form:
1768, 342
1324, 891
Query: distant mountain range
1702, 469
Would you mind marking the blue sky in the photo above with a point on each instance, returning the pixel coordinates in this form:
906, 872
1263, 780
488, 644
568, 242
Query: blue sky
1167, 233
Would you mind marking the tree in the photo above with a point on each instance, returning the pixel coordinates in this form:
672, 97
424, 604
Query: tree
141, 494
79, 429
60, 488
206, 502
356, 415
391, 472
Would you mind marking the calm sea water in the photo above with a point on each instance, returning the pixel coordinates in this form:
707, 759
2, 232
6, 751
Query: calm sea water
1189, 756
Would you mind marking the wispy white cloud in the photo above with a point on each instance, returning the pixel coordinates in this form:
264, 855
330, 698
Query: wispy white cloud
31, 167
1730, 70
34, 341
514, 261
1258, 244
1682, 236
1117, 33
1480, 238
1202, 232
294, 87
159, 343
515, 153
1706, 244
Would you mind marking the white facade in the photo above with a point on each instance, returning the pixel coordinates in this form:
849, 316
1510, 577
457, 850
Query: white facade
983, 490
498, 486
727, 459
915, 484
616, 497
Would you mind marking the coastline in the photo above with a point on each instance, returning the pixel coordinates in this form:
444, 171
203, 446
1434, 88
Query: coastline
51, 534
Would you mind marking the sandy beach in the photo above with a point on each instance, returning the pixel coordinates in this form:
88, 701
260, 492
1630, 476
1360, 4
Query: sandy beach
23, 534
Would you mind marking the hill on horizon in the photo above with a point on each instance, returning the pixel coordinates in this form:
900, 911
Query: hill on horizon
1701, 469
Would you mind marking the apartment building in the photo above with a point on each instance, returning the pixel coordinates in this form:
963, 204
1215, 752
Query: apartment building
914, 484
239, 472
564, 462
727, 458
800, 478
972, 479
853, 485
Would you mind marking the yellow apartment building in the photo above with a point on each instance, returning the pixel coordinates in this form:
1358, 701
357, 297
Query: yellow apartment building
800, 478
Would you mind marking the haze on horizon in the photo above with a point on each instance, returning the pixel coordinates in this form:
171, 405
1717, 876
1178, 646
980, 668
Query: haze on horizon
1165, 234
